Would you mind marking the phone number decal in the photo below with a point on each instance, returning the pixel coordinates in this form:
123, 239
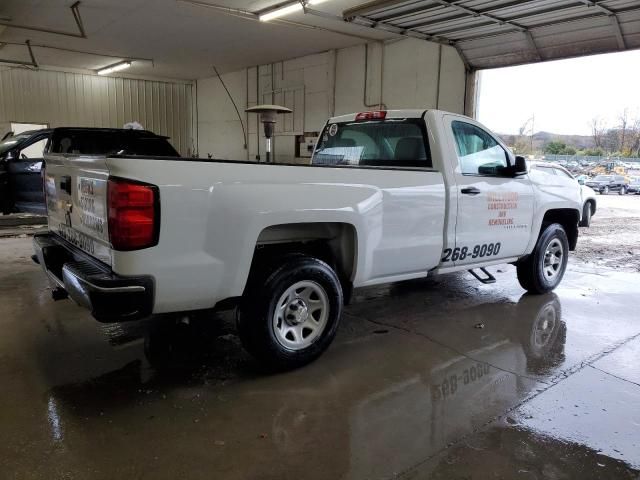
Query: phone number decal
479, 251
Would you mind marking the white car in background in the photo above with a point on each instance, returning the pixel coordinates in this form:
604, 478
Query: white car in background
558, 176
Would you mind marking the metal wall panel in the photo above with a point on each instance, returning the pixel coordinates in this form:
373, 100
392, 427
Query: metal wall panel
63, 99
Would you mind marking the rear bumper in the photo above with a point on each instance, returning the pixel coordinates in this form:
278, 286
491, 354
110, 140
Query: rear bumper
109, 297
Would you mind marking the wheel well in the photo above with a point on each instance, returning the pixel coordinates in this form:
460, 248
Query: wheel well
333, 242
566, 217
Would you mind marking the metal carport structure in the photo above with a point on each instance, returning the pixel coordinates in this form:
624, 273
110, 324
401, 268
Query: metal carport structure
500, 33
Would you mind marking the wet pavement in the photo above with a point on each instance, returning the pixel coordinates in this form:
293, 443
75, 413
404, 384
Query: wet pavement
441, 378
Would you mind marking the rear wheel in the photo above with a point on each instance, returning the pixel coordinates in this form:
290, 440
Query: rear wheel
543, 270
290, 313
586, 215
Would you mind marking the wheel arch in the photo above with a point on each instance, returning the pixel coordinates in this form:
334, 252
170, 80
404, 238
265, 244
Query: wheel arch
336, 243
568, 218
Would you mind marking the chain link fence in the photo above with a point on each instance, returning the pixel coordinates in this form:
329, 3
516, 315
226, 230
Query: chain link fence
582, 159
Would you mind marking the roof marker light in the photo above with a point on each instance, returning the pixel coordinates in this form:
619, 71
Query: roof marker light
377, 115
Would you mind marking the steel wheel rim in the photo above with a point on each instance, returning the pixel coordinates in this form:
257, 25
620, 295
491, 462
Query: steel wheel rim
300, 315
553, 257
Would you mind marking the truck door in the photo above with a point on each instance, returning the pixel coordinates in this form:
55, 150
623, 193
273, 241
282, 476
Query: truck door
25, 179
495, 212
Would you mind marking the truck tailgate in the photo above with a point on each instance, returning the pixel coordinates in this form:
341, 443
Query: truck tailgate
76, 196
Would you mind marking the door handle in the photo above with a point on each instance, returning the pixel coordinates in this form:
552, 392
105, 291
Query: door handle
470, 191
65, 184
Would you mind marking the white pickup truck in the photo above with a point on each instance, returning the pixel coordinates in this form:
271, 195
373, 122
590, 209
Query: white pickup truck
389, 196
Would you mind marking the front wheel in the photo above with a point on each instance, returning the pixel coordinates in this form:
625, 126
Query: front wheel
622, 190
586, 215
290, 313
543, 270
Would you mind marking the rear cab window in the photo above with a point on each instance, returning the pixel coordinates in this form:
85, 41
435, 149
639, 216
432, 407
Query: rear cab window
383, 143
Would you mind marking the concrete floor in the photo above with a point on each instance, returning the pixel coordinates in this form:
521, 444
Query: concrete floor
441, 378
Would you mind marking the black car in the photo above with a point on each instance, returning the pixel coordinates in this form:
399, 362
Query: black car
608, 183
21, 158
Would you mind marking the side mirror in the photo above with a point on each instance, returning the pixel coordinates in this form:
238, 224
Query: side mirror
520, 167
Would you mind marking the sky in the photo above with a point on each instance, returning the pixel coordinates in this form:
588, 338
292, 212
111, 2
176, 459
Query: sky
563, 96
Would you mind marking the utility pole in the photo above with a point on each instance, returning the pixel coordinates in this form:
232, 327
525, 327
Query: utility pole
533, 121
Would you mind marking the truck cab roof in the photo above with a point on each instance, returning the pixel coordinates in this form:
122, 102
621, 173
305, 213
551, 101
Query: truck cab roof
404, 113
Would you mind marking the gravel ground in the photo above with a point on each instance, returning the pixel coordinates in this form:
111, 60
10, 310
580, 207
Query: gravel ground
613, 240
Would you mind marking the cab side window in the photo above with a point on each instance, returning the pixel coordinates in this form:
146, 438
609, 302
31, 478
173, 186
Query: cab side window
478, 152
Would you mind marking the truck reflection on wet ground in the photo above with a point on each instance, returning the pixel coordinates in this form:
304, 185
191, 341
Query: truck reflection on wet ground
411, 387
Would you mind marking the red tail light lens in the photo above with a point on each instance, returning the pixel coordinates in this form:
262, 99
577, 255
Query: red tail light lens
134, 220
377, 115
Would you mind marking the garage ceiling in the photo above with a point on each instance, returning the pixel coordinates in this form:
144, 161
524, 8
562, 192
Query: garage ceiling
182, 39
498, 33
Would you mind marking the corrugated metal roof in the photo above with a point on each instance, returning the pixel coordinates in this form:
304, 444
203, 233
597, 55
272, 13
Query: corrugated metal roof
498, 33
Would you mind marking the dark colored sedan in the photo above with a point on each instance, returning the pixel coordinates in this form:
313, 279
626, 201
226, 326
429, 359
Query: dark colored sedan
604, 184
21, 158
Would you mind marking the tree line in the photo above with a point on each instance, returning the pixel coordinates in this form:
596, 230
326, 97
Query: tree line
623, 140
619, 140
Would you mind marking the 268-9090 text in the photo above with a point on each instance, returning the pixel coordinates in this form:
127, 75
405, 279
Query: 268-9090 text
478, 251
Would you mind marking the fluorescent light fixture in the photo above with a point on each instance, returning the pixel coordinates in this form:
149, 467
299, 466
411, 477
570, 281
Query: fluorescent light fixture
116, 67
286, 9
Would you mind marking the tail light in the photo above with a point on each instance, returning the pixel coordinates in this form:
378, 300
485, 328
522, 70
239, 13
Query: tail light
134, 214
377, 115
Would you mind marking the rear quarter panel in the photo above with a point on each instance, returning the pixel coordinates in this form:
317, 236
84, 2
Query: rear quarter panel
213, 212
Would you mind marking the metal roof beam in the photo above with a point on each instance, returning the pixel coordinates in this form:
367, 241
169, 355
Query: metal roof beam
406, 32
407, 13
617, 31
478, 14
371, 7
613, 18
532, 45
547, 24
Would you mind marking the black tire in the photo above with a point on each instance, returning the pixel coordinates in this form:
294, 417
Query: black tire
586, 215
255, 316
531, 273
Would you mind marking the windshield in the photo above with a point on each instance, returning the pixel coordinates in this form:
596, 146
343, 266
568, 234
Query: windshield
603, 178
10, 142
377, 143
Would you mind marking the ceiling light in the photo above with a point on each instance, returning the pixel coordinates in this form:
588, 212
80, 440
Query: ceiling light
114, 68
286, 9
